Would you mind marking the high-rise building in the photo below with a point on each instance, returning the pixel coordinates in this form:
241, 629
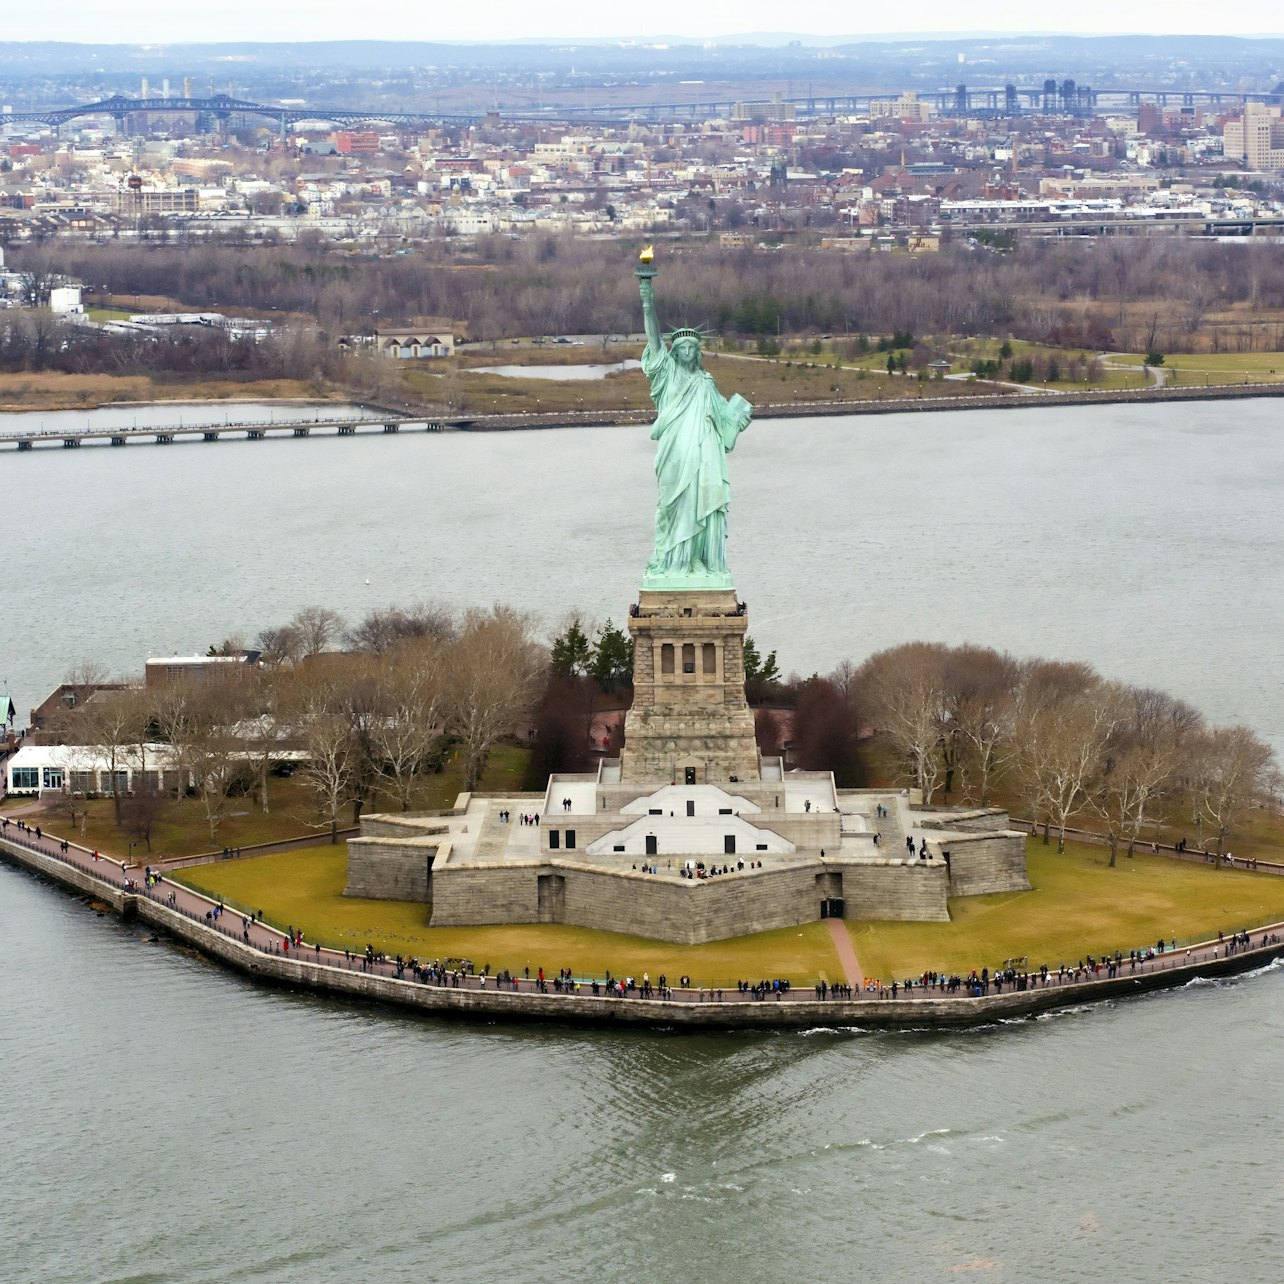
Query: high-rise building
1256, 137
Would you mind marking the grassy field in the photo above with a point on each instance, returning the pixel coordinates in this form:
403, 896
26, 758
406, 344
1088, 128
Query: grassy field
1078, 906
1220, 367
791, 378
966, 351
761, 380
305, 889
51, 390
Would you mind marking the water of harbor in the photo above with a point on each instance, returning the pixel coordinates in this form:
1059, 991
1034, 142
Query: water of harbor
1147, 540
562, 374
167, 1121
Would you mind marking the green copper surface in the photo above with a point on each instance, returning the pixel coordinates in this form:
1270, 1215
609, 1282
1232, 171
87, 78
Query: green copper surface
695, 429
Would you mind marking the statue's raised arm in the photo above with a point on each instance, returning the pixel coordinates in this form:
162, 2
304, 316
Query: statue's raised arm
645, 274
695, 428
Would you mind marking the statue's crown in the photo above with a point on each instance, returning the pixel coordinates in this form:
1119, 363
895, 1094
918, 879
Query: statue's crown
696, 332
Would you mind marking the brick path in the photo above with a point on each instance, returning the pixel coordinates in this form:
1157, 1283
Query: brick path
846, 954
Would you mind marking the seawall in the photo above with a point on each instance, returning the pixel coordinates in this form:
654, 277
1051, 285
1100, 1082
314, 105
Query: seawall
731, 1013
892, 406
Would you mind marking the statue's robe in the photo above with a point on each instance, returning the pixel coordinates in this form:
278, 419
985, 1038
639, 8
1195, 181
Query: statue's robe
694, 429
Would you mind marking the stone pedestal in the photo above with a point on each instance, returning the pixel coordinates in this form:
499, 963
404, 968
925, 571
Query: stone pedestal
690, 721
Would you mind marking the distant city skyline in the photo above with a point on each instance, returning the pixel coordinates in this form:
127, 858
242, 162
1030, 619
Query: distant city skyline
157, 22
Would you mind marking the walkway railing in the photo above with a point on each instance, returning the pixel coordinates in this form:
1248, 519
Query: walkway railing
1197, 855
252, 931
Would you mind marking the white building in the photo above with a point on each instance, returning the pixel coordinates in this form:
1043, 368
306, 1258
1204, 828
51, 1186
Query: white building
65, 300
88, 769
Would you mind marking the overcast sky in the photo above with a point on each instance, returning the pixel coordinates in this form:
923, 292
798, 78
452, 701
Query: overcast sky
170, 21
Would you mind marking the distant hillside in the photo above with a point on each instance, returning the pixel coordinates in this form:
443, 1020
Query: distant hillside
408, 72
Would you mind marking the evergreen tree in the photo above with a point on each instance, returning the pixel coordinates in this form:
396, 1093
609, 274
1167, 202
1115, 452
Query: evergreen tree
760, 674
612, 663
571, 655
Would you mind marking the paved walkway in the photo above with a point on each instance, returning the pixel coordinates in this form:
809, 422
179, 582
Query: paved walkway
846, 954
232, 923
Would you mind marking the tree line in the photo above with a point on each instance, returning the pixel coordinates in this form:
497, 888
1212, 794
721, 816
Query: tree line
378, 704
1130, 293
373, 708
38, 340
1060, 738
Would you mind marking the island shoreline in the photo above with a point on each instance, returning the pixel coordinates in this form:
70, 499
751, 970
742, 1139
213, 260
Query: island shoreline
624, 416
736, 1013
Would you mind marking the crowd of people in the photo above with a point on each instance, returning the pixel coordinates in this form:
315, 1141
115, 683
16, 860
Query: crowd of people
1014, 976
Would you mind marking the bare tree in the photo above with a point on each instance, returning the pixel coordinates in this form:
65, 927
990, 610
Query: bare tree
142, 809
1232, 768
1139, 760
202, 723
279, 646
317, 627
265, 728
412, 690
115, 723
232, 645
325, 732
905, 691
384, 628
1060, 725
981, 689
495, 671
825, 731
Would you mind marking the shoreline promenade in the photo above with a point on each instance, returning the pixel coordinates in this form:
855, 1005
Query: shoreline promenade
261, 951
389, 421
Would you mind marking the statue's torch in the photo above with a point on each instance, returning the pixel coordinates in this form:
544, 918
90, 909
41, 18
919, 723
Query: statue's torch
644, 271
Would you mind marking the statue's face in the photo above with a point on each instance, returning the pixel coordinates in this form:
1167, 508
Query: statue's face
686, 352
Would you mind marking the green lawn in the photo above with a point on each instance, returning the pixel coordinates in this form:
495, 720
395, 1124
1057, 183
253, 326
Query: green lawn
965, 351
1078, 906
1197, 368
304, 889
1262, 363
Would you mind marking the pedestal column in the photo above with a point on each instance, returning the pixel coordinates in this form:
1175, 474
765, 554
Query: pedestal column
690, 720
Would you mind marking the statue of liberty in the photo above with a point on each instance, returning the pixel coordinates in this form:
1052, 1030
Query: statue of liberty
695, 427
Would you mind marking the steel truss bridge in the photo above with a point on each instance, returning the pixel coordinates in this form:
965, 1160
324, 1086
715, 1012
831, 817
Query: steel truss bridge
222, 107
1054, 98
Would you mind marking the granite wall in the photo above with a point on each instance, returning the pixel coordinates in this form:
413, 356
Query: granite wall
687, 911
393, 869
985, 863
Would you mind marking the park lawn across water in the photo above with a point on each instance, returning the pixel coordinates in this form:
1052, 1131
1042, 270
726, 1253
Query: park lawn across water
1267, 366
763, 381
55, 390
304, 889
1079, 906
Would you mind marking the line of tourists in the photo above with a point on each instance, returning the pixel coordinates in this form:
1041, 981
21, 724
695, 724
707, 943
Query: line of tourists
1014, 976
